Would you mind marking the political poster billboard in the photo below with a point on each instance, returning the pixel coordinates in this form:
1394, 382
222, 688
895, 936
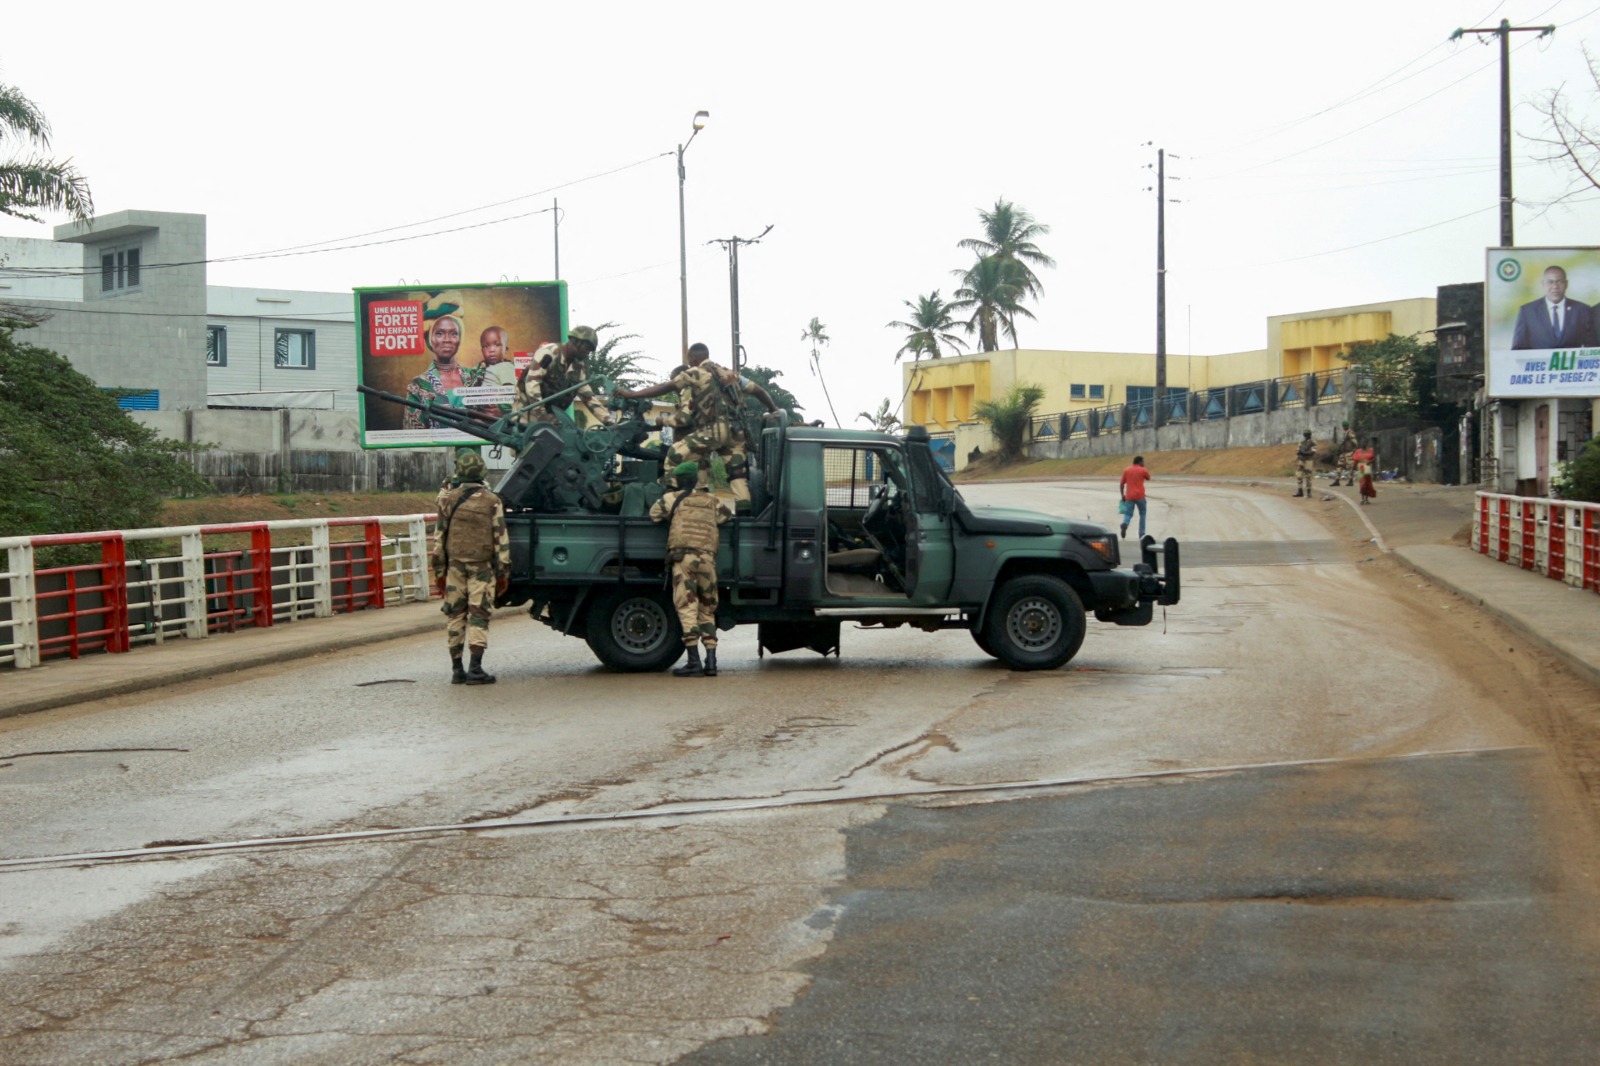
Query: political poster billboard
461, 344
1541, 335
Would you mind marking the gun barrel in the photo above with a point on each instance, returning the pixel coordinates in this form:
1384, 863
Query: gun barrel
453, 417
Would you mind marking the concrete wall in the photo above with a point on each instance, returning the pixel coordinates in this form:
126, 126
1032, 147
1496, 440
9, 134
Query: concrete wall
1241, 431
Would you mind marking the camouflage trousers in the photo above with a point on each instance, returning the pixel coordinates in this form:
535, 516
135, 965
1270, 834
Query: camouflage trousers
1345, 470
694, 594
468, 601
699, 445
1305, 469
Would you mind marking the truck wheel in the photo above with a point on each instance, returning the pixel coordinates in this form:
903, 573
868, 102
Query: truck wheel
982, 642
634, 630
1035, 623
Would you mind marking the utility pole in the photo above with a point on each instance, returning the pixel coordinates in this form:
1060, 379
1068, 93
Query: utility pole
1504, 32
1160, 190
732, 245
555, 211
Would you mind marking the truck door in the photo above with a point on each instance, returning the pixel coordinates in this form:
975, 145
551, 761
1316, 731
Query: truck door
930, 542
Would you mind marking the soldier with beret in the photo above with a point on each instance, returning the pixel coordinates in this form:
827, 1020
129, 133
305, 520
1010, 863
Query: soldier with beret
555, 369
693, 514
471, 564
1304, 465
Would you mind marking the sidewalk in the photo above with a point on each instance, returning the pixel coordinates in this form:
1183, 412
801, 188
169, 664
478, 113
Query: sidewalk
1418, 523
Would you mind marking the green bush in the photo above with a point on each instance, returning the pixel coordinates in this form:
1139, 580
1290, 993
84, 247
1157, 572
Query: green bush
1580, 478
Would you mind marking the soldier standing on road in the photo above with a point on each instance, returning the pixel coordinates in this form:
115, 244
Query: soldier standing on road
714, 394
555, 368
693, 514
471, 564
1304, 462
1347, 445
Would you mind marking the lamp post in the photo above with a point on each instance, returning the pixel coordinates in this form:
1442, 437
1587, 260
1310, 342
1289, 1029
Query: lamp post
683, 247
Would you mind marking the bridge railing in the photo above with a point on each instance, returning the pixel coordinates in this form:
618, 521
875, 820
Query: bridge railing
111, 590
1557, 538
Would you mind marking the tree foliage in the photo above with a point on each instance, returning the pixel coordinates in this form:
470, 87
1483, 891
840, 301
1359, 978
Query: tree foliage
883, 419
1579, 479
36, 183
1571, 137
929, 328
73, 460
1008, 236
625, 370
766, 377
992, 290
1011, 419
1398, 376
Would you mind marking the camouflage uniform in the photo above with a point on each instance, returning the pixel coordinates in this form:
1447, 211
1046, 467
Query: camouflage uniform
1305, 465
549, 373
471, 553
711, 394
1347, 446
692, 541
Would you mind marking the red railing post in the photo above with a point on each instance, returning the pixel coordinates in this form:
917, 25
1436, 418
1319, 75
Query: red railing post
375, 576
1556, 557
261, 575
114, 576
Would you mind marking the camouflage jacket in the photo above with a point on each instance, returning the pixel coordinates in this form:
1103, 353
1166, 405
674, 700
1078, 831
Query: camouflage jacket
550, 373
471, 530
694, 520
1307, 449
708, 394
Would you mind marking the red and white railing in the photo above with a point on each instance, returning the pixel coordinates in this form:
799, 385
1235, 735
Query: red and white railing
1557, 538
126, 598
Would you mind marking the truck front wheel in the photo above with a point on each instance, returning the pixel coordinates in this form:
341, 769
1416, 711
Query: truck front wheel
1034, 623
635, 630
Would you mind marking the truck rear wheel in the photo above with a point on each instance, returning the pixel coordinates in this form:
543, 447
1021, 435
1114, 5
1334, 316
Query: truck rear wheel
635, 630
1035, 623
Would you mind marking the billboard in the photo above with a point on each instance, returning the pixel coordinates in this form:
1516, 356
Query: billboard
463, 344
1540, 331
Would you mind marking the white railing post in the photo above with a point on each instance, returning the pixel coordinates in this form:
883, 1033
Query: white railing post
193, 560
322, 569
24, 607
417, 546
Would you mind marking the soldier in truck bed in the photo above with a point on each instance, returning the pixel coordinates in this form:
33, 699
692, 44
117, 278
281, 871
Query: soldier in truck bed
556, 368
693, 514
714, 393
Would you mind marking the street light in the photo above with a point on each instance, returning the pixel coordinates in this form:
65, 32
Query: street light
683, 247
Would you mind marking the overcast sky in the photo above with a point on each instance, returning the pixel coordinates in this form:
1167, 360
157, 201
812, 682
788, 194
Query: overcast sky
1324, 153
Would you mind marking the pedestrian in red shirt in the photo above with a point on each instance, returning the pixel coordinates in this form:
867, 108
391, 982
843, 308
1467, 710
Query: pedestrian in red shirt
1132, 489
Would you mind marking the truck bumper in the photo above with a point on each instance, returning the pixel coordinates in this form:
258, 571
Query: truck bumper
1129, 598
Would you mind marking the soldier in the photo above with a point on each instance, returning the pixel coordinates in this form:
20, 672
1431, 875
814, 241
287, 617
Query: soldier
1347, 445
555, 368
471, 564
693, 514
712, 395
1304, 461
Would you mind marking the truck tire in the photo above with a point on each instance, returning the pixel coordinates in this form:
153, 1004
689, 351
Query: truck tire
635, 630
1035, 622
982, 642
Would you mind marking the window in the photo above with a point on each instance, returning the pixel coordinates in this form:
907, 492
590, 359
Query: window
216, 346
119, 269
1097, 392
294, 349
1077, 392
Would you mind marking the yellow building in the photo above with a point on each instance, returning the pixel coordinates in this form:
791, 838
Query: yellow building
943, 392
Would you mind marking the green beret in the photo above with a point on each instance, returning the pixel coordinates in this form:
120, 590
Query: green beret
686, 468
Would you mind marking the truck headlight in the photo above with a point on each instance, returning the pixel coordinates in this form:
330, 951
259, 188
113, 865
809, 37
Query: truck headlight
1105, 547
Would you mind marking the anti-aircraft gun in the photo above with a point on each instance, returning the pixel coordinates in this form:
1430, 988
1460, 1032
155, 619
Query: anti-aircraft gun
559, 466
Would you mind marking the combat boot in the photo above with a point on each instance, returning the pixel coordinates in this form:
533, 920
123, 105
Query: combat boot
476, 674
1298, 494
691, 666
458, 676
711, 662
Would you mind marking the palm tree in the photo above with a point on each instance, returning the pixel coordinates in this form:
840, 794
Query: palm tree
929, 327
625, 370
993, 292
1011, 419
883, 420
37, 183
1008, 235
817, 334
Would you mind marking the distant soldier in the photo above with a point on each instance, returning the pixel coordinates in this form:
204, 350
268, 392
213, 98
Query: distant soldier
712, 394
471, 564
1305, 462
1347, 445
555, 368
693, 514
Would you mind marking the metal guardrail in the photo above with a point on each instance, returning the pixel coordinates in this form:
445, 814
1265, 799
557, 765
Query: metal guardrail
254, 578
1557, 538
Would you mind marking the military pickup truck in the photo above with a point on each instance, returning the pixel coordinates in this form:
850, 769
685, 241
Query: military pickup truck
843, 525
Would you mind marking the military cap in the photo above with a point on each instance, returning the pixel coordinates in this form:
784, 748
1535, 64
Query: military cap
1308, 433
686, 468
470, 467
583, 333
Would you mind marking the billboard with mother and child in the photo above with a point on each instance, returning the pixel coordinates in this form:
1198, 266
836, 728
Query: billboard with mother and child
461, 344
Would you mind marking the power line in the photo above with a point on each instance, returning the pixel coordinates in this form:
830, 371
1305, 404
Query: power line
1377, 240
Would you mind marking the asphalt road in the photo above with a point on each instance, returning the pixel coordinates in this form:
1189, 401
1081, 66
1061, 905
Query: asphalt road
1291, 821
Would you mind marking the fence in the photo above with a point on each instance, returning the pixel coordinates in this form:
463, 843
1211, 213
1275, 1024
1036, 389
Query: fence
1557, 538
195, 581
1181, 406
